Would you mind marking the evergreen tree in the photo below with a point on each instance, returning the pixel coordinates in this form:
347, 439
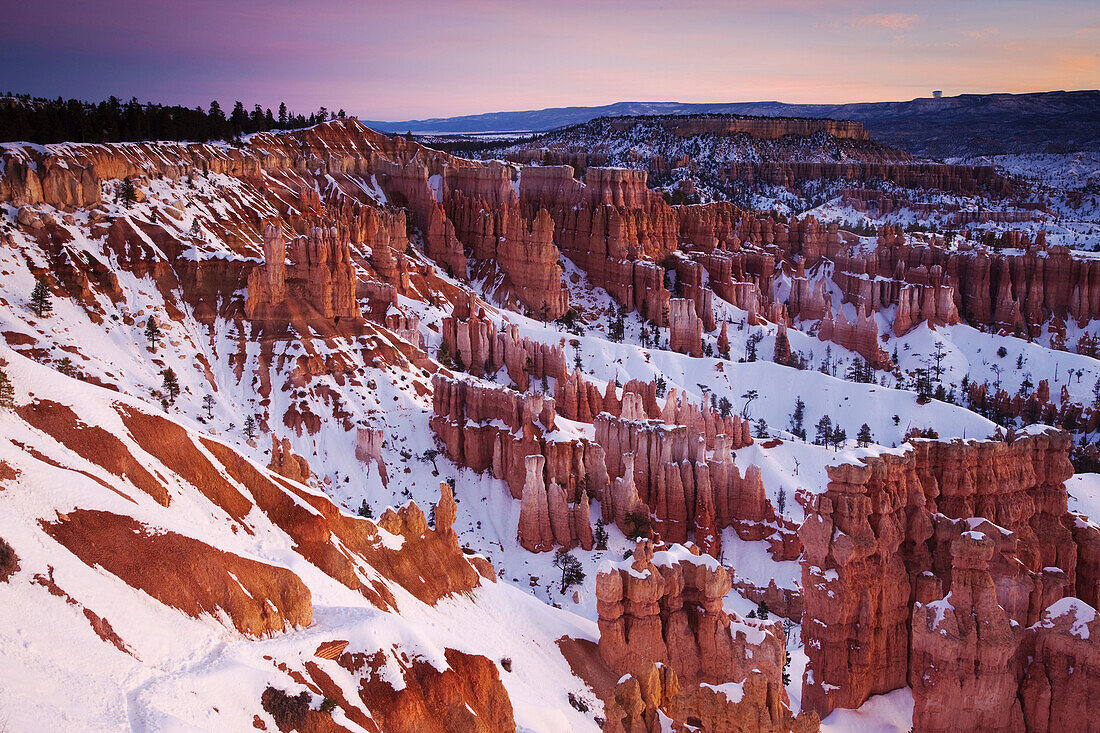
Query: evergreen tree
250, 427
365, 511
748, 397
152, 332
572, 572
639, 524
839, 436
238, 119
724, 407
762, 428
282, 115
170, 385
7, 391
864, 437
600, 535
41, 300
208, 405
126, 193
216, 123
762, 611
798, 417
824, 432
66, 367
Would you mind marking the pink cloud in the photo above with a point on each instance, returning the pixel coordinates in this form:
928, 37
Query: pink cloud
893, 21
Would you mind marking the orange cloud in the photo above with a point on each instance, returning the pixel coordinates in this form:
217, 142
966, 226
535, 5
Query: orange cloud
983, 33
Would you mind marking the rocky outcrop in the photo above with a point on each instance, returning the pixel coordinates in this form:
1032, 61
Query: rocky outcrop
962, 649
368, 450
665, 608
860, 336
546, 518
988, 519
255, 597
522, 250
651, 700
782, 354
685, 328
285, 463
1062, 676
496, 429
319, 283
663, 467
949, 178
477, 346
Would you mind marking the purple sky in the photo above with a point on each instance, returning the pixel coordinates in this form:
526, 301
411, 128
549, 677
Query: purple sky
400, 60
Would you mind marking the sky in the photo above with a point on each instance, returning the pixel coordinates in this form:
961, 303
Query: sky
420, 58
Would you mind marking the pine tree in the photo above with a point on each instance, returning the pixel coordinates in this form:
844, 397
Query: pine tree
127, 193
762, 428
282, 115
864, 437
41, 302
824, 432
208, 405
572, 572
365, 511
600, 535
748, 397
639, 524
7, 391
152, 332
762, 611
250, 427
839, 436
171, 385
798, 417
66, 367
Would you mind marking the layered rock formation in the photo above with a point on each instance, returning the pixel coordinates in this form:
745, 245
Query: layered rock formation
685, 328
496, 429
285, 463
665, 607
962, 649
320, 282
469, 334
860, 336
990, 520
546, 518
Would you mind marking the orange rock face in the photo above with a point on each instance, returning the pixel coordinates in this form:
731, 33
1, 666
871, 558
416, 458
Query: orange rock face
497, 430
285, 463
966, 543
685, 328
468, 696
259, 598
662, 466
860, 336
320, 282
962, 650
484, 350
666, 608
